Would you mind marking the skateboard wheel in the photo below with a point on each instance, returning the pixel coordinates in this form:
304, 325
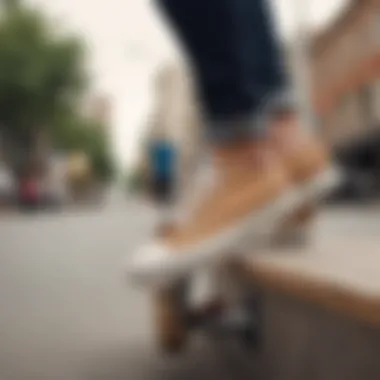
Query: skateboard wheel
171, 325
250, 337
251, 332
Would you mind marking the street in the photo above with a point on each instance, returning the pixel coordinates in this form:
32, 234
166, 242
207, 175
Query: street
67, 312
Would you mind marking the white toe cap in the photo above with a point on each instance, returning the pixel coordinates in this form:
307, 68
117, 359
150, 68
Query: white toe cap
150, 264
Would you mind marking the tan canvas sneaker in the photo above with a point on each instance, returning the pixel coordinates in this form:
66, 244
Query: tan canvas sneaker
250, 193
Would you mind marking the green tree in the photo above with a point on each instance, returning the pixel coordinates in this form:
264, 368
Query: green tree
134, 181
42, 77
75, 133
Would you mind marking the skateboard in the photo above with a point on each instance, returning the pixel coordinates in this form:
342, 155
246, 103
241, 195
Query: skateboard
232, 310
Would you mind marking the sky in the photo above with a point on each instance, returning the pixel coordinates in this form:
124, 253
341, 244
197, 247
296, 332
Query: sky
127, 40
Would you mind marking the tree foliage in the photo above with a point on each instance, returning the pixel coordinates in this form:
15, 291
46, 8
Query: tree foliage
41, 71
76, 133
42, 82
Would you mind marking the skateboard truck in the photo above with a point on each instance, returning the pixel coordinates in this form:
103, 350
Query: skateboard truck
239, 320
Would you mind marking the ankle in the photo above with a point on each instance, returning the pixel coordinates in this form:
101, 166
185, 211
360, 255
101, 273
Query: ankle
256, 153
165, 229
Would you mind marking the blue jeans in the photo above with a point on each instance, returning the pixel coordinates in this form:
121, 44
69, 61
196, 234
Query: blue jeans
235, 55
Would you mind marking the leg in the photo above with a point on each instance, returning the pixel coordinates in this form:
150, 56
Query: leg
223, 39
234, 51
244, 67
241, 75
258, 154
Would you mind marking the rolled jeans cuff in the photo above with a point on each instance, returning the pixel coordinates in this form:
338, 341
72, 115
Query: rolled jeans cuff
237, 129
253, 126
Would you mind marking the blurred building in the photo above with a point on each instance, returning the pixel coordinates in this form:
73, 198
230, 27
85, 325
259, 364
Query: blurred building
345, 70
345, 65
175, 113
99, 107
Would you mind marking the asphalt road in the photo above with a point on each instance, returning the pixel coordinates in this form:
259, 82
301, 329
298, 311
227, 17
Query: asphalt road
67, 312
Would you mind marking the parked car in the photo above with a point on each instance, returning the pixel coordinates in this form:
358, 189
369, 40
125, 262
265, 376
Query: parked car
7, 187
29, 193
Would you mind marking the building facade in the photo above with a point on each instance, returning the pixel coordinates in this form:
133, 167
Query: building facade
98, 107
345, 70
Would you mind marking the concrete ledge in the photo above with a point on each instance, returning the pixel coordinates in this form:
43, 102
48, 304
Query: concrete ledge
340, 276
304, 341
320, 311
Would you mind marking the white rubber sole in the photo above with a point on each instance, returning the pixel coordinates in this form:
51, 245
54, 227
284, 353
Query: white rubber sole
157, 264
